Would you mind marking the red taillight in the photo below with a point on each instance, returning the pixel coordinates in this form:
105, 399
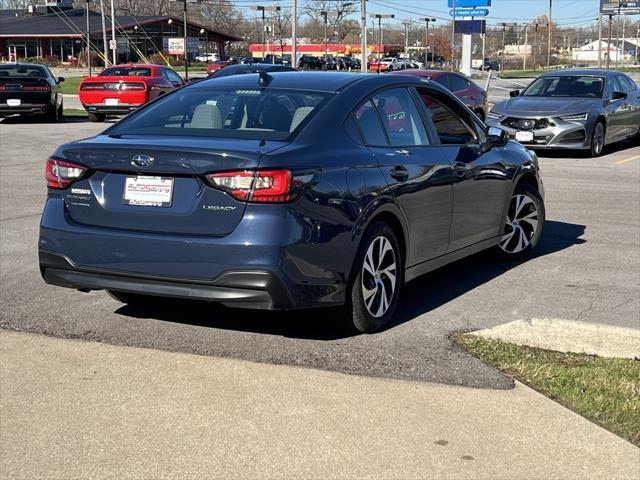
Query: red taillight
264, 186
133, 86
2, 88
61, 174
35, 88
92, 86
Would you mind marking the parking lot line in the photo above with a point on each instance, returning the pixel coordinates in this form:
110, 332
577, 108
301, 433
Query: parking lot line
626, 160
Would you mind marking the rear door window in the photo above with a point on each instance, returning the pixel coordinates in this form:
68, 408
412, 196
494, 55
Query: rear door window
400, 118
458, 83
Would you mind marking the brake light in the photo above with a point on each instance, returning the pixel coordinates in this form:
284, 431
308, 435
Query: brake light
35, 88
92, 86
61, 174
263, 186
133, 86
2, 88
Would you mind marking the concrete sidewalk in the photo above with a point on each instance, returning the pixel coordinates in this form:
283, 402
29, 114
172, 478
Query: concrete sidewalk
74, 409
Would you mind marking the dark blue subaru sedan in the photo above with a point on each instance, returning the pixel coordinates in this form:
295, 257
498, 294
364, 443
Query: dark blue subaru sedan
287, 190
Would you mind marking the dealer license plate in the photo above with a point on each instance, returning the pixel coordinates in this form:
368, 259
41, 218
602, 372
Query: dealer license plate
111, 101
524, 136
14, 102
148, 191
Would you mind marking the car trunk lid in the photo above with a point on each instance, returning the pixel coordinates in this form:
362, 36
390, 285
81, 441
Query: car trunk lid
123, 171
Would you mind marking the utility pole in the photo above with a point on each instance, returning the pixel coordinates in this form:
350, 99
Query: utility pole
294, 36
618, 34
600, 41
406, 38
624, 26
526, 47
535, 43
363, 36
426, 40
114, 42
453, 38
186, 50
609, 43
549, 38
105, 45
88, 40
262, 9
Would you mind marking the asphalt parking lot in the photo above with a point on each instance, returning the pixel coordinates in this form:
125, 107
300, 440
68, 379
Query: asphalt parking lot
586, 268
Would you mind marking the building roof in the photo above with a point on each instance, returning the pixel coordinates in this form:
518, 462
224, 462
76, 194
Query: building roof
72, 23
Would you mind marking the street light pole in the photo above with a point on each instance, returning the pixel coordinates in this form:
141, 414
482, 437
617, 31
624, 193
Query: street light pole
600, 41
294, 37
453, 38
549, 38
406, 38
380, 16
326, 46
186, 49
426, 40
88, 40
363, 36
114, 46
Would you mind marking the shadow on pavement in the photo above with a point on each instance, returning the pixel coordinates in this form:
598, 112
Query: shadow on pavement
420, 296
608, 150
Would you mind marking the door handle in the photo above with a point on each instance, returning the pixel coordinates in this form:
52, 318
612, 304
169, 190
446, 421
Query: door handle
403, 152
399, 173
461, 168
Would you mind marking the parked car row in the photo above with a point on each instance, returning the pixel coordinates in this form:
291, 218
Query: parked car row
390, 64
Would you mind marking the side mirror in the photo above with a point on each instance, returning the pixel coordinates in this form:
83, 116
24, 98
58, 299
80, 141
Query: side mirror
618, 96
514, 93
60, 80
497, 136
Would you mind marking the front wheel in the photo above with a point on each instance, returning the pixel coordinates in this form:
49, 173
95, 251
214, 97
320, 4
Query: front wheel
523, 225
378, 276
597, 140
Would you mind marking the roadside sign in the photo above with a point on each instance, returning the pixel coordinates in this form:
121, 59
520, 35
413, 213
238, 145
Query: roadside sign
468, 27
113, 44
613, 7
175, 46
470, 12
471, 3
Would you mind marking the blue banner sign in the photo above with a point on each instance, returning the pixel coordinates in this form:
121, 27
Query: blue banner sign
470, 27
470, 3
470, 12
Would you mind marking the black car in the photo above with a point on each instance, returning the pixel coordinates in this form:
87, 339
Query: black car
309, 62
492, 65
252, 68
30, 89
228, 190
350, 62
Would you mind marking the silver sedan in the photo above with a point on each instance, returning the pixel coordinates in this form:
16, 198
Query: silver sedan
573, 110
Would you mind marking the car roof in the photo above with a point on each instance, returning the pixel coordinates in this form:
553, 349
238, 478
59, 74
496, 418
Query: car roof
579, 71
423, 73
312, 81
22, 65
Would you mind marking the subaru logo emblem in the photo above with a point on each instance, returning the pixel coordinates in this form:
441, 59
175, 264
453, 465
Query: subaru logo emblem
142, 160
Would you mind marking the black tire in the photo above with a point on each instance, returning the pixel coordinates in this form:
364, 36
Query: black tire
52, 114
97, 117
361, 318
133, 299
595, 150
532, 235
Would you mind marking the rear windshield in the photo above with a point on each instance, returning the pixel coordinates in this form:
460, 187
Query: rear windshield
126, 72
17, 71
256, 114
566, 86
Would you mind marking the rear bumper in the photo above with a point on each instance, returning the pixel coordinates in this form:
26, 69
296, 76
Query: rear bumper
248, 289
24, 109
120, 109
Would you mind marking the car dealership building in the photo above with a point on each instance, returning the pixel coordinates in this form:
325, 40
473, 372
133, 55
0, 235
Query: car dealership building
55, 29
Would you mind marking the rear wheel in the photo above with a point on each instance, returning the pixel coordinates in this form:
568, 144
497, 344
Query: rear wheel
597, 140
53, 114
523, 225
97, 117
375, 287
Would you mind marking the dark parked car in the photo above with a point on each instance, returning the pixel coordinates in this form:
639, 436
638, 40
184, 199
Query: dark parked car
227, 190
351, 62
252, 68
309, 62
28, 89
573, 110
492, 65
465, 89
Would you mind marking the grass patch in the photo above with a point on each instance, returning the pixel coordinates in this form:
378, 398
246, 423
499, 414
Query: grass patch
604, 390
75, 112
70, 85
535, 73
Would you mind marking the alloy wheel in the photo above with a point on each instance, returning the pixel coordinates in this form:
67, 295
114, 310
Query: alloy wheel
379, 274
598, 139
521, 224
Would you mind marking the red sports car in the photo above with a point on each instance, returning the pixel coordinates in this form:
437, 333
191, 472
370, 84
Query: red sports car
466, 90
123, 88
219, 65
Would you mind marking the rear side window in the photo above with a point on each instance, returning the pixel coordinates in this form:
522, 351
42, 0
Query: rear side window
126, 72
244, 114
443, 80
626, 83
400, 118
451, 129
370, 124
